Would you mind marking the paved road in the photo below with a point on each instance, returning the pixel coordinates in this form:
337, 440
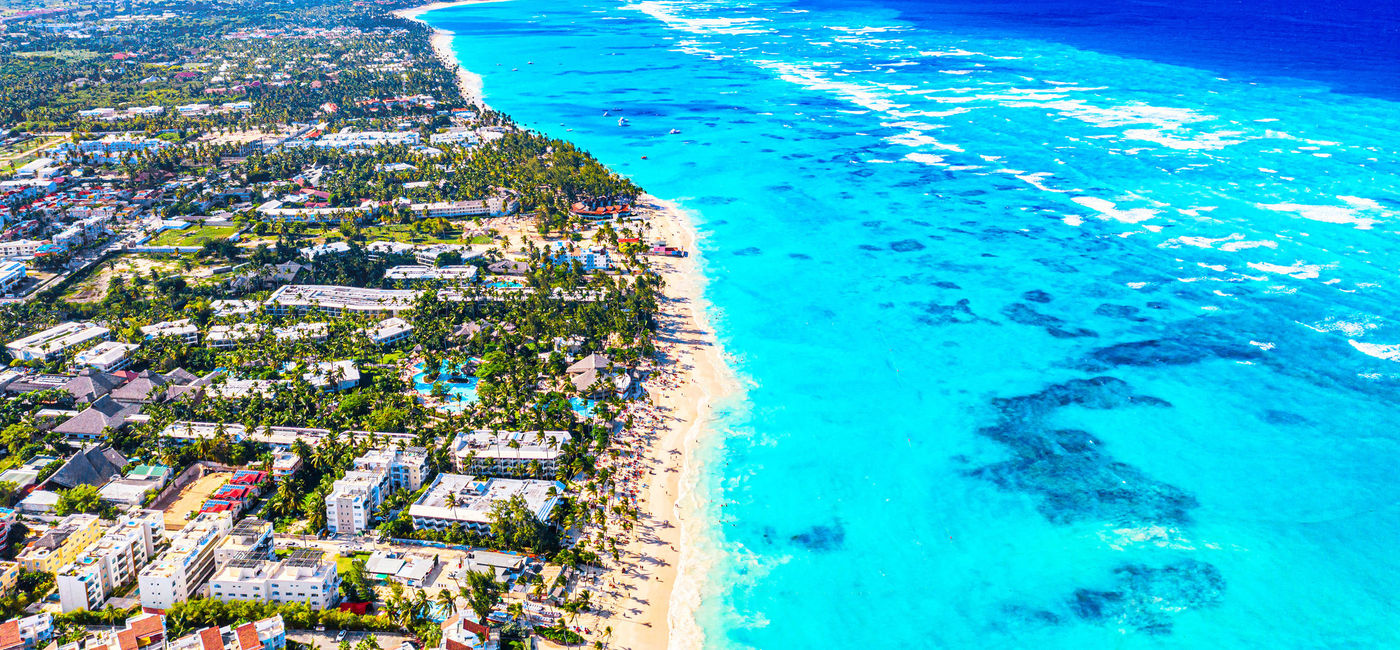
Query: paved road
326, 640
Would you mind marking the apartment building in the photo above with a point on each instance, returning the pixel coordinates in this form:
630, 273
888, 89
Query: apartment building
183, 570
250, 538
406, 468
61, 544
353, 499
110, 563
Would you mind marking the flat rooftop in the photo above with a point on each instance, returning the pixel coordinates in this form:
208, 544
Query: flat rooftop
475, 497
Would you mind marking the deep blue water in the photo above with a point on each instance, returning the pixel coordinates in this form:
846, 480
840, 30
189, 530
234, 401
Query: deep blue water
1067, 324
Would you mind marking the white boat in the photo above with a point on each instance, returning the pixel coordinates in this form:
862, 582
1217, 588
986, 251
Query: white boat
622, 121
675, 130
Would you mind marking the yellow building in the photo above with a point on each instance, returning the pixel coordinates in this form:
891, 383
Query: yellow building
61, 544
9, 576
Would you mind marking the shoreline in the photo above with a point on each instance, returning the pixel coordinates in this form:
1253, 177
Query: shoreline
649, 597
441, 41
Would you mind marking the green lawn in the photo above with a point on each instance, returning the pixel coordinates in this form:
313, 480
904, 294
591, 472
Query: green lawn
405, 233
343, 562
191, 236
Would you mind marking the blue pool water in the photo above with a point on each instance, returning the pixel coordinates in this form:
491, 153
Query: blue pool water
459, 387
1067, 324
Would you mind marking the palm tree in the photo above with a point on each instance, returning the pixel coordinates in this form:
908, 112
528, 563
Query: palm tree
448, 601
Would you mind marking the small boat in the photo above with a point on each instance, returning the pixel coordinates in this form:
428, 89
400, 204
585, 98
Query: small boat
529, 63
644, 157
514, 69
605, 113
622, 121
674, 131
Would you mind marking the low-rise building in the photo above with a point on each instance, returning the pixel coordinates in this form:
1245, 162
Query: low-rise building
303, 577
389, 331
11, 274
494, 206
303, 332
28, 633
107, 356
181, 329
333, 375
54, 341
132, 490
468, 501
284, 464
509, 453
181, 572
405, 467
61, 544
250, 538
232, 336
414, 273
266, 634
335, 300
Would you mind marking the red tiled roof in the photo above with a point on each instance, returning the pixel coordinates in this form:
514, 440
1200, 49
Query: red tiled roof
248, 637
210, 639
126, 639
9, 635
145, 626
477, 629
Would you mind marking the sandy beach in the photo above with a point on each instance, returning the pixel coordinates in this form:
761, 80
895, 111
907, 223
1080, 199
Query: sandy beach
646, 599
441, 41
649, 597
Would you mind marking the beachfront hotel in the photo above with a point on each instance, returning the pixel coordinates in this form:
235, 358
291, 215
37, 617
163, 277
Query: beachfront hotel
182, 571
181, 329
508, 453
54, 341
467, 500
110, 563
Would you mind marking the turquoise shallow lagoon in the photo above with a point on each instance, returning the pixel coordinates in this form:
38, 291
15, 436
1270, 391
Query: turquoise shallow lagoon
1053, 341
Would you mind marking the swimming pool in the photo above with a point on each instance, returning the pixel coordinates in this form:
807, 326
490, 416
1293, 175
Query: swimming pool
459, 386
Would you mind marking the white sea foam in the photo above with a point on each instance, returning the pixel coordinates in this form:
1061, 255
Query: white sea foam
666, 13
1389, 352
1298, 270
1109, 210
1329, 213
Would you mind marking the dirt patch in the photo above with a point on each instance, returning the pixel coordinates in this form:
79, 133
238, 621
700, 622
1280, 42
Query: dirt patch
192, 497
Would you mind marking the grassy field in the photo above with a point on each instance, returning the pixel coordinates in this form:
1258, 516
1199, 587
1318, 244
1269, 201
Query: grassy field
191, 236
68, 56
25, 152
94, 287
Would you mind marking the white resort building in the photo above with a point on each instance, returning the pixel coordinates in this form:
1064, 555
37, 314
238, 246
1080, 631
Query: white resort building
468, 500
508, 453
52, 342
305, 576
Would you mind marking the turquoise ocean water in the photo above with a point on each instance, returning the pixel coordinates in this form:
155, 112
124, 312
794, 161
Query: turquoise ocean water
1056, 337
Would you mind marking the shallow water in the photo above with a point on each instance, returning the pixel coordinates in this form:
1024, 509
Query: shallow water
1058, 335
